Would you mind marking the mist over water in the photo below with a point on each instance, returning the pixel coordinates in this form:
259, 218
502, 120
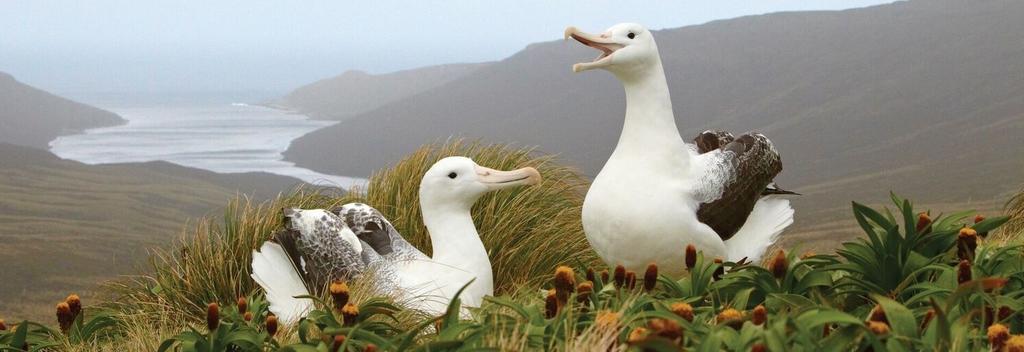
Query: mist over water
224, 138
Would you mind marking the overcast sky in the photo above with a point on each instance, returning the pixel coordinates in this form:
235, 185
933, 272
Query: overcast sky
131, 45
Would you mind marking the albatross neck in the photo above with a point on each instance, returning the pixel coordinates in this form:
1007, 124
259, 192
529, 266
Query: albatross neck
455, 241
650, 125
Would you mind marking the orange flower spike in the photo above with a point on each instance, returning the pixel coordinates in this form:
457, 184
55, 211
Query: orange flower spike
779, 265
64, 317
583, 291
339, 340
966, 243
730, 317
75, 304
212, 316
878, 328
877, 314
923, 221
691, 256
565, 284
650, 277
565, 279
620, 276
636, 336
1015, 344
666, 328
551, 304
760, 315
998, 334
339, 294
963, 272
271, 325
243, 305
606, 319
350, 313
683, 310
979, 218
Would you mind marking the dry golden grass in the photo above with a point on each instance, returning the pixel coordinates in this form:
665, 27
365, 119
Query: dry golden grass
538, 225
1013, 230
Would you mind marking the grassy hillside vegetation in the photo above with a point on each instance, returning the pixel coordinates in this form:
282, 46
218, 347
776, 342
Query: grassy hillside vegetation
66, 226
913, 282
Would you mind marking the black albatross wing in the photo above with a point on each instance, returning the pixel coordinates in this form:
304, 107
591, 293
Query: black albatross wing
746, 167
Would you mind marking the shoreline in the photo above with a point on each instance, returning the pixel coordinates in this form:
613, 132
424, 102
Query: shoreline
248, 139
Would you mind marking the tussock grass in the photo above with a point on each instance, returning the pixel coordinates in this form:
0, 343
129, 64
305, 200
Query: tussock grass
1015, 210
210, 262
527, 231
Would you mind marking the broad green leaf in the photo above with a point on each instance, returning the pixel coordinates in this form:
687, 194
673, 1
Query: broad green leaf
901, 319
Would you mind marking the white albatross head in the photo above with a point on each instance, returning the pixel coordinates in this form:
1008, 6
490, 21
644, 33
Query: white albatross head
625, 48
459, 182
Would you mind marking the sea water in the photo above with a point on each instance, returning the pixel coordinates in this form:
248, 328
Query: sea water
224, 138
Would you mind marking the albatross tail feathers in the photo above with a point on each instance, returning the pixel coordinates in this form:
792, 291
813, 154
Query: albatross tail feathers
273, 271
771, 215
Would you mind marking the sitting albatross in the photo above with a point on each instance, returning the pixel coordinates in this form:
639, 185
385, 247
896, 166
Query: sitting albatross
320, 246
657, 193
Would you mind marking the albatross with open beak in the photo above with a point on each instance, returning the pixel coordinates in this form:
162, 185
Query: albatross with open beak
656, 193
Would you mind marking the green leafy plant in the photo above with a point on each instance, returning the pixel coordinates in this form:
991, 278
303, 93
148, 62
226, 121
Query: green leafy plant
27, 336
234, 334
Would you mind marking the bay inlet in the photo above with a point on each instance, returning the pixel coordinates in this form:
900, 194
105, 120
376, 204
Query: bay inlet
223, 138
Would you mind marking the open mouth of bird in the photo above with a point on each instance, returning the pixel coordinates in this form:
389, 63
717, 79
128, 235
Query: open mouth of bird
606, 48
599, 42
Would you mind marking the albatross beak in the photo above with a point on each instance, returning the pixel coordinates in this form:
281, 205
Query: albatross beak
599, 42
495, 179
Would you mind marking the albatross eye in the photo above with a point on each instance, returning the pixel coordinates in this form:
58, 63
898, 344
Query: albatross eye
631, 35
453, 175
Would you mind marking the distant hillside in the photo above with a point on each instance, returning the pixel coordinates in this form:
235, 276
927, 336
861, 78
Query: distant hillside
924, 97
66, 226
356, 92
32, 117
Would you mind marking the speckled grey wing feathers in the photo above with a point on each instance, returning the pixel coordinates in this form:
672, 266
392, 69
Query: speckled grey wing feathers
321, 255
372, 227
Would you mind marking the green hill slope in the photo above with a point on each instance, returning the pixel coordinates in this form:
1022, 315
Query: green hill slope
67, 226
32, 117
